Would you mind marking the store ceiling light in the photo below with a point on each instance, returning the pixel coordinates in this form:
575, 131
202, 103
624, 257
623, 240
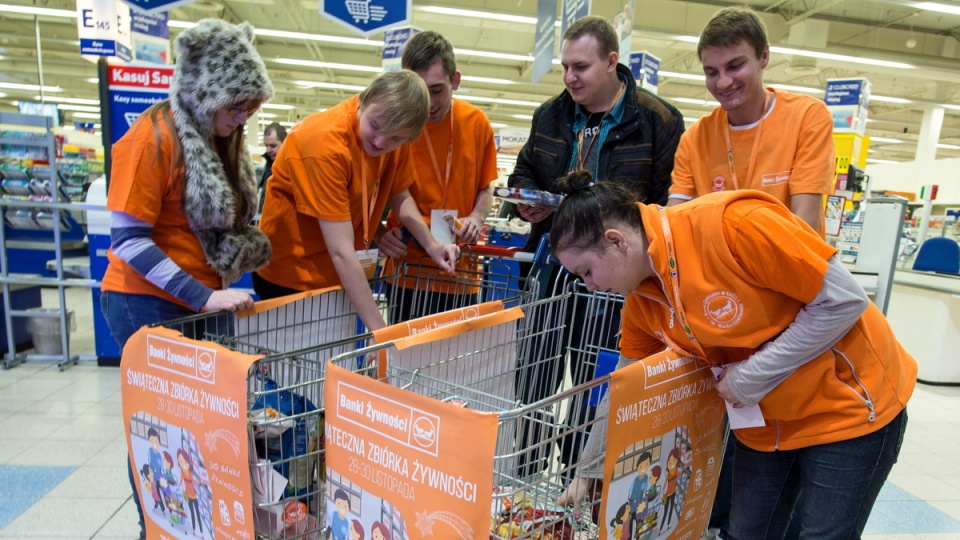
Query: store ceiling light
476, 14
31, 10
326, 65
794, 88
818, 54
488, 80
30, 87
882, 161
491, 54
948, 146
278, 106
692, 101
482, 99
85, 115
82, 108
74, 101
940, 8
888, 99
688, 76
329, 86
522, 116
841, 57
885, 140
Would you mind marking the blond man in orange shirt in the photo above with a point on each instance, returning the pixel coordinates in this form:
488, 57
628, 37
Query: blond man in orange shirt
334, 175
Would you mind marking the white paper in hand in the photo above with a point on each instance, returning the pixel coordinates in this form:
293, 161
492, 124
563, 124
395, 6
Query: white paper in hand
742, 417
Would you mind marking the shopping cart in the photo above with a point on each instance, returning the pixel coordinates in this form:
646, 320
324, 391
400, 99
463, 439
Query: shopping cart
485, 369
420, 288
285, 395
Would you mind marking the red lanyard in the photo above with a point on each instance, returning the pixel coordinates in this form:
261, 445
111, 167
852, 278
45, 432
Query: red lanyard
369, 204
674, 279
583, 156
445, 179
753, 153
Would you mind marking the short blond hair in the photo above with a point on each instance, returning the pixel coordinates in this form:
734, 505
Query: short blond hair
406, 98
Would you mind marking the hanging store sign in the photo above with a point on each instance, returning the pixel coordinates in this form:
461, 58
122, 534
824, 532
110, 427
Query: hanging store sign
153, 7
393, 42
104, 28
151, 37
646, 70
545, 39
573, 10
848, 101
367, 17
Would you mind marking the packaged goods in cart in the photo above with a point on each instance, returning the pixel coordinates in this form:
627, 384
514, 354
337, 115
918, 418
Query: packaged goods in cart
290, 449
522, 517
528, 196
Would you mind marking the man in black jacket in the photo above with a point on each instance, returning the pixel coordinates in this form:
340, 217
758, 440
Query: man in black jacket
273, 137
603, 123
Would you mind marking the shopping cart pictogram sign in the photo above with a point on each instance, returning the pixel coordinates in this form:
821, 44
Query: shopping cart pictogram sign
368, 17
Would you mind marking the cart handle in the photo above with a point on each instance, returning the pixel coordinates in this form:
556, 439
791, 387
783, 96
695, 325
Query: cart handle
504, 252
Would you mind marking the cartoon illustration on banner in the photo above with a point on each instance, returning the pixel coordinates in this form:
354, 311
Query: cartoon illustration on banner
184, 403
664, 444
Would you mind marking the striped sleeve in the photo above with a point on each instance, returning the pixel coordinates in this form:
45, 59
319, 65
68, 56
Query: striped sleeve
131, 240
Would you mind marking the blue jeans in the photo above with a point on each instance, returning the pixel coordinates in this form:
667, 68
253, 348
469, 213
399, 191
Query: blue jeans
127, 313
840, 482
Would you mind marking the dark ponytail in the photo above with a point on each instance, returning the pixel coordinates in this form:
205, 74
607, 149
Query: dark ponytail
589, 209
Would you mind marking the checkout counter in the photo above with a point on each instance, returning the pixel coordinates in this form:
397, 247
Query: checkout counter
924, 312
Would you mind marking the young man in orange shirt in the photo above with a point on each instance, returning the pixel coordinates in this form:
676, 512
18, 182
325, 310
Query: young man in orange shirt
758, 138
456, 160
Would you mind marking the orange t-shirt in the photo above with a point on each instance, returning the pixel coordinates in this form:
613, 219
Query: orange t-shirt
144, 184
317, 175
472, 168
795, 153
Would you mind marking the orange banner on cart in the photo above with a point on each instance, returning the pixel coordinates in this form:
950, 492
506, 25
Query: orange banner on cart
272, 303
664, 445
185, 414
445, 324
432, 322
404, 465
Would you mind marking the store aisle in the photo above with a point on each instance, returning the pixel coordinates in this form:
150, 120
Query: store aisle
62, 452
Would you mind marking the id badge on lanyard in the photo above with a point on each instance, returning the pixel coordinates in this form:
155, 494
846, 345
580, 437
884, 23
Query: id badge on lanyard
368, 261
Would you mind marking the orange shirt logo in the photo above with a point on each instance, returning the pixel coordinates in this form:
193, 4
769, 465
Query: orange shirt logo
723, 309
719, 183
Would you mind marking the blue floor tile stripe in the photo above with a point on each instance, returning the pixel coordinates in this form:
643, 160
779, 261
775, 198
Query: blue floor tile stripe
22, 486
898, 512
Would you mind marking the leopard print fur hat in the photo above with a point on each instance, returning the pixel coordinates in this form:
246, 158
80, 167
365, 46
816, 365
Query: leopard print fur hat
218, 67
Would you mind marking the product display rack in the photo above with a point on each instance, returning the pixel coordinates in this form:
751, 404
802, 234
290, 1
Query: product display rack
38, 224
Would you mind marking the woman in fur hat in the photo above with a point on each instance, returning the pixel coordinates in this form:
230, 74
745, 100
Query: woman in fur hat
336, 172
183, 189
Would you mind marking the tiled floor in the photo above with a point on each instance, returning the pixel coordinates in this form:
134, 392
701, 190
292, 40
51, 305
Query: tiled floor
62, 455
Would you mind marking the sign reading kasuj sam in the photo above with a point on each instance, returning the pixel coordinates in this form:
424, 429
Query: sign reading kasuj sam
404, 466
185, 414
664, 444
